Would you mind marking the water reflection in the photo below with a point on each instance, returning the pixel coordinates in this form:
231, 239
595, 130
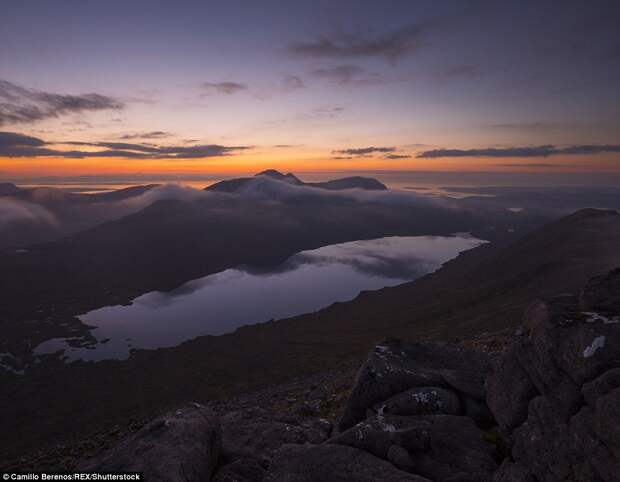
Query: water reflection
220, 303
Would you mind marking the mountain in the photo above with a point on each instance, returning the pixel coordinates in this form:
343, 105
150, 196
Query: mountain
485, 289
354, 182
43, 214
559, 200
289, 177
7, 189
172, 241
49, 196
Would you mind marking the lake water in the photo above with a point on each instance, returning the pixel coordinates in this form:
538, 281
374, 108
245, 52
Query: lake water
220, 303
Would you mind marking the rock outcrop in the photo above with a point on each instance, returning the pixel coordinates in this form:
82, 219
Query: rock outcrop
183, 445
439, 447
546, 408
556, 392
255, 434
438, 373
299, 463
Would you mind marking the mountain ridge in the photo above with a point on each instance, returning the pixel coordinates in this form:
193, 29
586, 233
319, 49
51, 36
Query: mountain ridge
351, 182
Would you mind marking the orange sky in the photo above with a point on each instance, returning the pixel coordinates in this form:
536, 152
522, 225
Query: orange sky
289, 160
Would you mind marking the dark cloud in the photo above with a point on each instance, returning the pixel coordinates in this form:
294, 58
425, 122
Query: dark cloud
8, 139
536, 151
146, 135
116, 145
21, 105
528, 165
362, 151
591, 149
490, 152
227, 88
321, 113
328, 111
18, 145
292, 82
460, 71
397, 156
537, 126
527, 126
391, 45
347, 75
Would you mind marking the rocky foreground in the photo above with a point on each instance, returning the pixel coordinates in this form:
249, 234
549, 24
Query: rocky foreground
544, 408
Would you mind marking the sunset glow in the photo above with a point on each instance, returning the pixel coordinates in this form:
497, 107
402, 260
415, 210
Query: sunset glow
404, 78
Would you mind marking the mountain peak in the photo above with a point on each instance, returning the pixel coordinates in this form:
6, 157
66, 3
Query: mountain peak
275, 174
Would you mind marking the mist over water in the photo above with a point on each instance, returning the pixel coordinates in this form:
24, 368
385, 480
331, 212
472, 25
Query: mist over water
220, 303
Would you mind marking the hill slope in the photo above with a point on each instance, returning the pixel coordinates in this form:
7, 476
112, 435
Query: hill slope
484, 289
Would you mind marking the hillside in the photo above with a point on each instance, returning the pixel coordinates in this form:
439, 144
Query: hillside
42, 214
485, 289
172, 241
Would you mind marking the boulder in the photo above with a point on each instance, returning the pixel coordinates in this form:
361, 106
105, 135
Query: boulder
556, 392
607, 421
470, 382
478, 411
583, 428
601, 386
241, 470
442, 447
333, 463
545, 445
602, 293
545, 314
510, 390
394, 366
421, 401
183, 445
255, 434
513, 472
400, 458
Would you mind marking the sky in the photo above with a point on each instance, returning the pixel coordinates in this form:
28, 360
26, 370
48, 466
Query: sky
188, 87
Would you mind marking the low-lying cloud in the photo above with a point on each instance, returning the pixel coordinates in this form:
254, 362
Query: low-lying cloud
19, 105
536, 151
163, 192
266, 188
14, 210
